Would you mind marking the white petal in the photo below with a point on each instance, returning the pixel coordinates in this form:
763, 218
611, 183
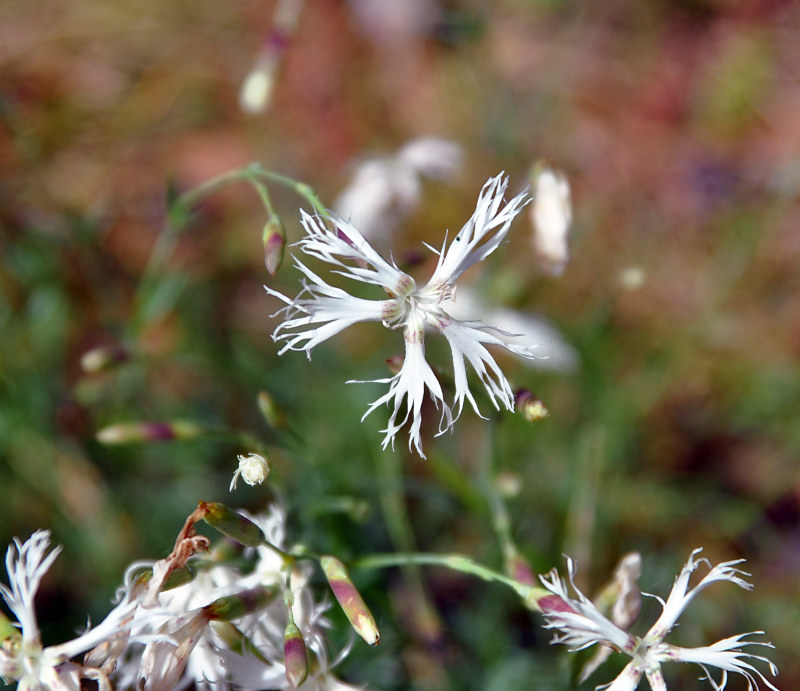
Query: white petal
347, 244
26, 565
466, 341
481, 234
585, 625
407, 393
680, 596
726, 655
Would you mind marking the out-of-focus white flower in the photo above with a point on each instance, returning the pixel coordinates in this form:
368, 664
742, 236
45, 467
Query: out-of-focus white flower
632, 277
23, 658
253, 469
385, 189
551, 213
255, 94
581, 625
390, 22
553, 352
321, 311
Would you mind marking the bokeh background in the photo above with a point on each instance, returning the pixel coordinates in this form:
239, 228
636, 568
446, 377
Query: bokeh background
678, 126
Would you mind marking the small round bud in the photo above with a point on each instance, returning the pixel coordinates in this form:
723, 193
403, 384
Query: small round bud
103, 358
253, 469
530, 406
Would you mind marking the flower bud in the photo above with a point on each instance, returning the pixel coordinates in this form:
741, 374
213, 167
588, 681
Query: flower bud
246, 602
232, 524
508, 484
350, 600
272, 413
551, 213
274, 239
136, 432
102, 358
530, 406
295, 656
255, 94
253, 468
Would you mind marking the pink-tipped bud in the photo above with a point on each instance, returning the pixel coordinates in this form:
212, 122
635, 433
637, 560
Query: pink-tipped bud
530, 406
274, 415
350, 600
138, 432
103, 358
274, 238
295, 656
232, 524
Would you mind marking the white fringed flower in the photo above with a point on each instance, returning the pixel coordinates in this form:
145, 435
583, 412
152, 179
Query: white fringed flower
23, 658
581, 625
321, 311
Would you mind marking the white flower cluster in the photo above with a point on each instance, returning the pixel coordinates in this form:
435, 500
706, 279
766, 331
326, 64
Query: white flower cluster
582, 625
223, 630
322, 310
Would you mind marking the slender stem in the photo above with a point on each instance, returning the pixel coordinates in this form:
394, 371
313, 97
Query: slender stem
209, 187
501, 521
300, 188
456, 562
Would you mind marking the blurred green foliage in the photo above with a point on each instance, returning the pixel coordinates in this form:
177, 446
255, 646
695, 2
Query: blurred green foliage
677, 125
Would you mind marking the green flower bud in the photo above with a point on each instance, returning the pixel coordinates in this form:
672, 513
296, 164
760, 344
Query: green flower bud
246, 602
232, 524
350, 600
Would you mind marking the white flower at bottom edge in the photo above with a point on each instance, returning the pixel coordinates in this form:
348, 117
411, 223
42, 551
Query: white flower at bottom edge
581, 625
25, 660
321, 311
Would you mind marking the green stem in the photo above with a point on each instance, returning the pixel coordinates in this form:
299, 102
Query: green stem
501, 521
300, 188
456, 562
